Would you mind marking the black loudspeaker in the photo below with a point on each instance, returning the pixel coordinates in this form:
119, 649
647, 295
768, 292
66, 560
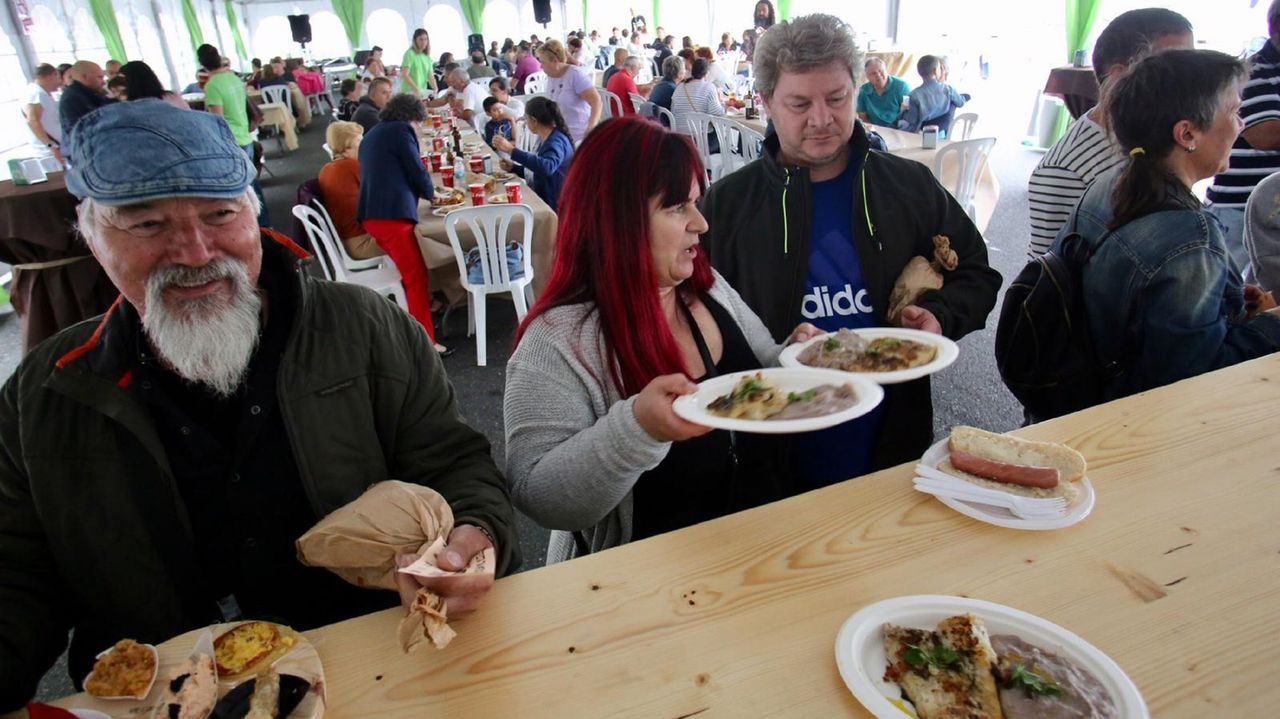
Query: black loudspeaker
475, 42
301, 27
542, 11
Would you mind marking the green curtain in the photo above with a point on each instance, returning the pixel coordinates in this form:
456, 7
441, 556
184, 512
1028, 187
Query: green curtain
235, 32
193, 25
784, 10
1080, 17
586, 28
474, 12
351, 13
104, 14
653, 21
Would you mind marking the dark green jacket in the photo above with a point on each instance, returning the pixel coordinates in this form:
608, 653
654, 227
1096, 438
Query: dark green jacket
90, 517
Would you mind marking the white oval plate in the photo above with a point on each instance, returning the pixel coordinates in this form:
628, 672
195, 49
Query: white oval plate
860, 648
150, 686
948, 351
693, 407
1001, 517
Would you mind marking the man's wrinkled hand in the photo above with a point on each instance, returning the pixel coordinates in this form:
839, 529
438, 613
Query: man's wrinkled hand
915, 317
462, 593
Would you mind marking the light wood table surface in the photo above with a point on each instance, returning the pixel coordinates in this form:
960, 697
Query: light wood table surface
1174, 575
907, 144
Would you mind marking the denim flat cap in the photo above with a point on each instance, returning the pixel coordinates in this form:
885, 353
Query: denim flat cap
129, 152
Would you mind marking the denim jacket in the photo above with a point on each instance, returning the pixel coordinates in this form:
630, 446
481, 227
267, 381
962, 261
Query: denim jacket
1162, 296
926, 103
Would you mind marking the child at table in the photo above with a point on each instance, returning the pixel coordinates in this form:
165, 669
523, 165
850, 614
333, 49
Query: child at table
934, 102
498, 124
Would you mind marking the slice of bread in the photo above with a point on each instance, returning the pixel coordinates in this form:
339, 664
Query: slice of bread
1012, 450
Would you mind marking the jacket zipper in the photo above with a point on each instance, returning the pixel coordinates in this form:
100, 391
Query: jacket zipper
866, 209
786, 226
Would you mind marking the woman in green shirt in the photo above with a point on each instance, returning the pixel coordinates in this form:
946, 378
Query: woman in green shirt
416, 68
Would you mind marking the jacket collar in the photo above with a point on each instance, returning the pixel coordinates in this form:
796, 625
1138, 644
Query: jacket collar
110, 352
779, 172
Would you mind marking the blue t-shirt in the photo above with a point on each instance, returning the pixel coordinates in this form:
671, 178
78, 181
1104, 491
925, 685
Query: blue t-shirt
498, 127
836, 297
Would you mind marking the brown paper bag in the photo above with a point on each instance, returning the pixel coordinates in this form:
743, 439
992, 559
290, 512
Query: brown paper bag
919, 276
359, 542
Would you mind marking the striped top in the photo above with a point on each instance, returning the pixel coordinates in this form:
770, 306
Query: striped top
1260, 103
694, 96
1062, 176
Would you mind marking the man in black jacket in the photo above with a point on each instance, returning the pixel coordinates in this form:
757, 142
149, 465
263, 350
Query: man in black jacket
366, 112
821, 226
85, 94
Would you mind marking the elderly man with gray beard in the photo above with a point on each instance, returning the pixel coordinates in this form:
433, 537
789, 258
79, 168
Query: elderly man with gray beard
158, 463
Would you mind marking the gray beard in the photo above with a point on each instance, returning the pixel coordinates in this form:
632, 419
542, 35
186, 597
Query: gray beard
209, 340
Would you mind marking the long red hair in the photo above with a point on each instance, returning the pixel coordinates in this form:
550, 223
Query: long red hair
602, 245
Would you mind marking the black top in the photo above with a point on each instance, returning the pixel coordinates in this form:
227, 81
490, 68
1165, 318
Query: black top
718, 473
237, 475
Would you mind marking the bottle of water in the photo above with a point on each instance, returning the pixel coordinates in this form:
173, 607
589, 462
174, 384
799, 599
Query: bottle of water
459, 172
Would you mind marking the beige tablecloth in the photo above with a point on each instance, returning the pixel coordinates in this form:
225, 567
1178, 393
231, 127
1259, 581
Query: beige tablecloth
277, 114
435, 242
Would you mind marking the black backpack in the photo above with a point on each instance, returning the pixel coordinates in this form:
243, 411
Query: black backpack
1044, 350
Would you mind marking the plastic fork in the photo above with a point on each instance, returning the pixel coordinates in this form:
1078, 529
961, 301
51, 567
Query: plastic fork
935, 482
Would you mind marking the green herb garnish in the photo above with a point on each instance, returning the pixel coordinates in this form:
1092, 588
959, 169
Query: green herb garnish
938, 656
831, 344
1034, 684
806, 396
747, 387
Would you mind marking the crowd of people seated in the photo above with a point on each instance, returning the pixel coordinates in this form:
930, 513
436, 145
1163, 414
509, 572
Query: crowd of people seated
225, 379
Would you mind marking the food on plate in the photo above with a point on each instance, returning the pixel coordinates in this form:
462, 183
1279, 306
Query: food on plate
847, 350
267, 696
753, 397
499, 199
503, 176
1038, 684
447, 196
1020, 466
192, 690
127, 670
245, 646
960, 670
944, 673
756, 398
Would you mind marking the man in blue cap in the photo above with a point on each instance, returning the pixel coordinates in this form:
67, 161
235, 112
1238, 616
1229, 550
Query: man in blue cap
158, 463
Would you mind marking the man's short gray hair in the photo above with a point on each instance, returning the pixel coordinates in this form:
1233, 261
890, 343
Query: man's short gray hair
86, 217
672, 67
803, 44
459, 74
873, 60
632, 62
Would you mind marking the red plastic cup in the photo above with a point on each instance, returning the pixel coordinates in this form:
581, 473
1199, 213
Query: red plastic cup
435, 121
477, 193
437, 144
437, 159
513, 192
477, 164
446, 176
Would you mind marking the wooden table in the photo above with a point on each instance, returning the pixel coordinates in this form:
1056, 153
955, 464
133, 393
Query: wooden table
1174, 575
434, 241
907, 144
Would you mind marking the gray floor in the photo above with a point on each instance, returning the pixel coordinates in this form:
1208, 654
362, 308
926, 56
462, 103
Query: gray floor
969, 392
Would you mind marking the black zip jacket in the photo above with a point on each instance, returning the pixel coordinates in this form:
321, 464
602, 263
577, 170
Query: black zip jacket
760, 221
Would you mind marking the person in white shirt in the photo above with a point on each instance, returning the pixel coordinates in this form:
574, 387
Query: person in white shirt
695, 95
465, 97
41, 111
715, 71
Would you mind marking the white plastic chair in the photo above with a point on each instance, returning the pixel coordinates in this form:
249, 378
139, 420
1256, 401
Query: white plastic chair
971, 155
645, 76
665, 116
637, 101
611, 104
349, 262
489, 224
381, 278
699, 126
525, 139
327, 150
278, 94
535, 83
752, 144
482, 83
962, 126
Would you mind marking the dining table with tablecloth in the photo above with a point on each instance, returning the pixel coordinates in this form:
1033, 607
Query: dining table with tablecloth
56, 281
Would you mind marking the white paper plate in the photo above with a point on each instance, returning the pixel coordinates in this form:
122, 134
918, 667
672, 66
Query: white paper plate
1001, 517
693, 406
860, 648
948, 351
443, 210
151, 685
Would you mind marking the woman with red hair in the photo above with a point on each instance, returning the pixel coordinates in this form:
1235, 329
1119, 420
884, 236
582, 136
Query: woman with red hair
632, 316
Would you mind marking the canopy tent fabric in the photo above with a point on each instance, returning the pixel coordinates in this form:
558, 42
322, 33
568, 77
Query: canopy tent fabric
104, 15
351, 14
192, 21
1080, 17
235, 31
473, 10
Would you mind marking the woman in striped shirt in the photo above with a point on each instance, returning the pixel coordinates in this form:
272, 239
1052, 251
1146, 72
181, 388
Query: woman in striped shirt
695, 95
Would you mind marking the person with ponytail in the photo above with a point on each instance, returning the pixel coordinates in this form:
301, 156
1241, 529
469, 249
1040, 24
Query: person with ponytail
631, 317
1163, 299
550, 163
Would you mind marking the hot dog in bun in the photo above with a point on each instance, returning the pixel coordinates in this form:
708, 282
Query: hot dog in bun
1020, 466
